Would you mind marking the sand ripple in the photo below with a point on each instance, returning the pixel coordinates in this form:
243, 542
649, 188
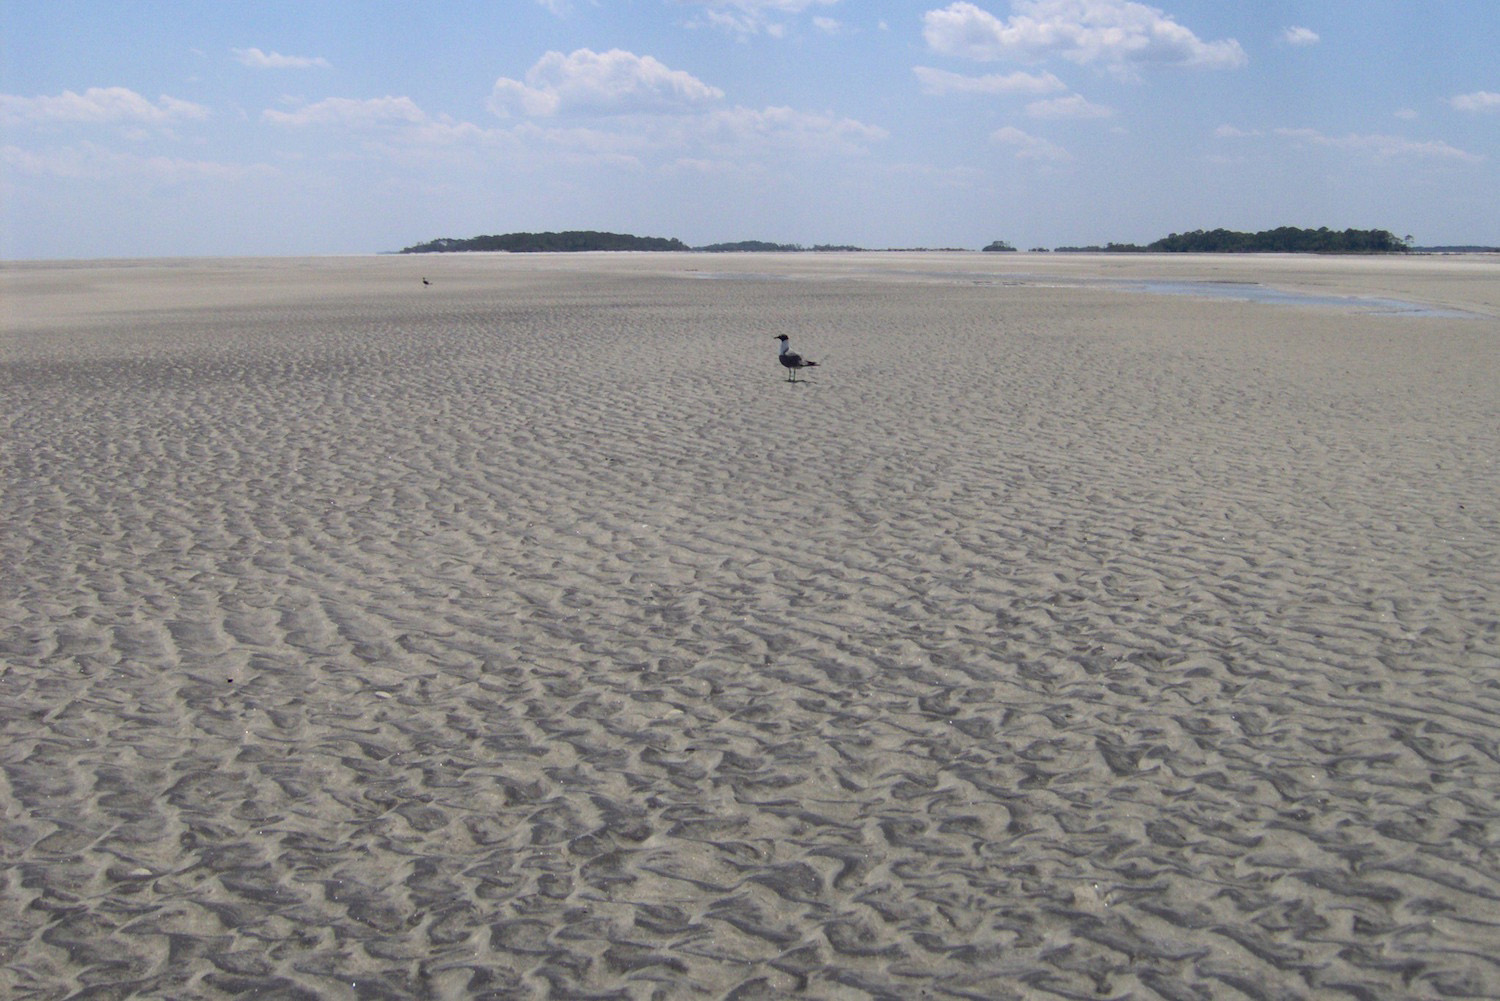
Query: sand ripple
525, 636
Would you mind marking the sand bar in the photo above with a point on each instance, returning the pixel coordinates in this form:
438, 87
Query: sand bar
525, 634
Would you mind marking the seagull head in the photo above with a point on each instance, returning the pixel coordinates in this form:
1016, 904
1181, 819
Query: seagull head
781, 337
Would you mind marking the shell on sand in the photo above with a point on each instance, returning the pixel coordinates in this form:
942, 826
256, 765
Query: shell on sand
526, 633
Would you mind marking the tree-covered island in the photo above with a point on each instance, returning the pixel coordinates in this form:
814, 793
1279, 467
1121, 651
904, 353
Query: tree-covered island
573, 241
1282, 240
569, 241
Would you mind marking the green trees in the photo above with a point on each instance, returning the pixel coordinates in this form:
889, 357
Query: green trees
568, 241
749, 247
1282, 240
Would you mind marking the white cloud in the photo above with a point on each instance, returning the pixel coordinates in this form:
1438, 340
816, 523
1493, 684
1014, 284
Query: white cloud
641, 116
1072, 106
751, 17
739, 135
754, 131
351, 112
935, 81
762, 7
1381, 146
256, 59
738, 140
1480, 100
1296, 35
594, 147
1119, 34
89, 161
1029, 147
98, 106
602, 83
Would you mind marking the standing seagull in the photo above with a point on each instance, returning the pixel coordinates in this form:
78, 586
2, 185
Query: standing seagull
792, 361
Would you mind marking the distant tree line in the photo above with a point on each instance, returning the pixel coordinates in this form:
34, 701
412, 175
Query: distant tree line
1283, 240
581, 240
762, 247
569, 241
1467, 248
751, 247
1108, 248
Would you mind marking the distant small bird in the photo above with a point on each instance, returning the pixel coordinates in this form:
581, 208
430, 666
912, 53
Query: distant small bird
792, 361
426, 282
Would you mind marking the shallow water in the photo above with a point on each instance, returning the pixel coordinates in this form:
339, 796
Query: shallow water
1252, 292
1237, 291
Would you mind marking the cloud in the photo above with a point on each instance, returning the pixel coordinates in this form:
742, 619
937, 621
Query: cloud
939, 82
1300, 36
607, 86
733, 137
1029, 147
1381, 146
752, 17
1072, 106
351, 112
257, 59
89, 161
749, 131
97, 106
600, 83
1118, 34
543, 146
1480, 100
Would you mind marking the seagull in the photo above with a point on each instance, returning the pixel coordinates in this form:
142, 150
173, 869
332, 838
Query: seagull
426, 282
792, 361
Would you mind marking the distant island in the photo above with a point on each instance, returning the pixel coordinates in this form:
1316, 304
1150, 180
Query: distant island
1282, 240
762, 247
575, 241
751, 247
1467, 248
571, 241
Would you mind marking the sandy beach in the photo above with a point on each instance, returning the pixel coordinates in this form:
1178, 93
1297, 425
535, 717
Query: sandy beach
525, 634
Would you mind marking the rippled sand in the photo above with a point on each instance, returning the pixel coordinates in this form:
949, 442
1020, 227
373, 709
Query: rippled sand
527, 635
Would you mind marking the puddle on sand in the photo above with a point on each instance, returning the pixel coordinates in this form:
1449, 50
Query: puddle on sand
1230, 290
1253, 292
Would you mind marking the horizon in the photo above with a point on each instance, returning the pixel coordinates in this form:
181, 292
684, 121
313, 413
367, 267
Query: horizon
293, 130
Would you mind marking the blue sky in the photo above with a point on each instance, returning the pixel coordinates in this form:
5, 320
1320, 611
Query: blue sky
173, 128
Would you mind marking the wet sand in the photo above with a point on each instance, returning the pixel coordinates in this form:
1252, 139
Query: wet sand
525, 634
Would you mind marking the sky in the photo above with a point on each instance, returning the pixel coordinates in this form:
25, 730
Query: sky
292, 127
